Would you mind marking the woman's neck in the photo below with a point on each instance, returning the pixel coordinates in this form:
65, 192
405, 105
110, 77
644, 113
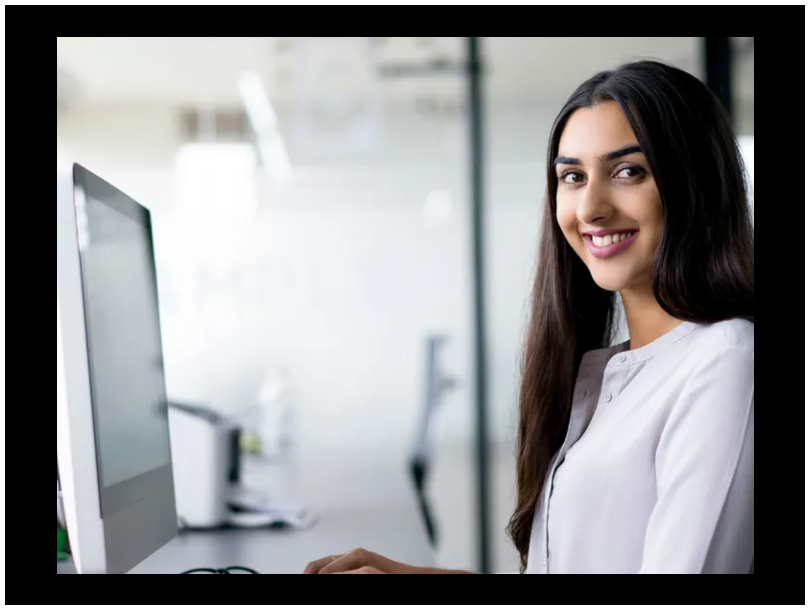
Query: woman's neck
646, 320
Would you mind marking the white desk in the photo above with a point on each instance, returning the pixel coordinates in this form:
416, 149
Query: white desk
398, 534
346, 521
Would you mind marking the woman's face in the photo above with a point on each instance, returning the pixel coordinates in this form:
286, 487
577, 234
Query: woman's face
608, 205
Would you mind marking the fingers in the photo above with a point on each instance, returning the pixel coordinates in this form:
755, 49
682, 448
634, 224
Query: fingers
355, 560
315, 567
358, 561
366, 570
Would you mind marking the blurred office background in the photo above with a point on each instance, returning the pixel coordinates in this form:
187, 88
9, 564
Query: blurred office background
312, 208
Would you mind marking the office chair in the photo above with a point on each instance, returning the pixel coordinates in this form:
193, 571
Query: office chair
437, 386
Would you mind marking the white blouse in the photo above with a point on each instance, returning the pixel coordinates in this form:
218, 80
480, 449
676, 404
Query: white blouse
656, 474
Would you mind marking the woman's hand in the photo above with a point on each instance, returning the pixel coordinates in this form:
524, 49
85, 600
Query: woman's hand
361, 562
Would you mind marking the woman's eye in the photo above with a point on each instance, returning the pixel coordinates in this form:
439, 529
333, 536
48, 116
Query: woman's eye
630, 172
571, 177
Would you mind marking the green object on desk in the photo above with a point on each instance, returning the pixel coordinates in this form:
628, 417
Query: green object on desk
61, 543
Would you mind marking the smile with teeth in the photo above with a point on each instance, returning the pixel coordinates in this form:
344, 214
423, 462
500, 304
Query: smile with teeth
609, 240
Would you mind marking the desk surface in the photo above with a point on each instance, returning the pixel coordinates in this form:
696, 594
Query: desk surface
396, 533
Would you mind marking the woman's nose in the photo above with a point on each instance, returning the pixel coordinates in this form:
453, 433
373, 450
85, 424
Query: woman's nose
595, 205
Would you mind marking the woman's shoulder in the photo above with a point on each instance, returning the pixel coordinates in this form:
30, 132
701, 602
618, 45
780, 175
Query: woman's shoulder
723, 337
716, 395
718, 349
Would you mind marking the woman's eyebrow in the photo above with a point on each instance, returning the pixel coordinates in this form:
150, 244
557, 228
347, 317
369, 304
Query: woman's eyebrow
630, 149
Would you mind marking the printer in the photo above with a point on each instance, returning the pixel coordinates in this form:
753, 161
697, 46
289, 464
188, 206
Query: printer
207, 464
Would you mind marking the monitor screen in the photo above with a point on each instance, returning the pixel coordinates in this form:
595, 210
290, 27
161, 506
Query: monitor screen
124, 345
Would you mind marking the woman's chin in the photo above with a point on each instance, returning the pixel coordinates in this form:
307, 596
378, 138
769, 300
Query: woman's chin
610, 281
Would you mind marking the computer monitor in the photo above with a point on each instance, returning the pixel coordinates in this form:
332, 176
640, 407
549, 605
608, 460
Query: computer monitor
112, 429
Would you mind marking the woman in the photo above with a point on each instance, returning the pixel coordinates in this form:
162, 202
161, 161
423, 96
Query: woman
636, 458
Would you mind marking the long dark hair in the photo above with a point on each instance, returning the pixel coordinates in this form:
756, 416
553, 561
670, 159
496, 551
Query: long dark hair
704, 270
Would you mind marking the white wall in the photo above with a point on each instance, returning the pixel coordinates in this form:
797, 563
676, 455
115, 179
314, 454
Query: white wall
119, 136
